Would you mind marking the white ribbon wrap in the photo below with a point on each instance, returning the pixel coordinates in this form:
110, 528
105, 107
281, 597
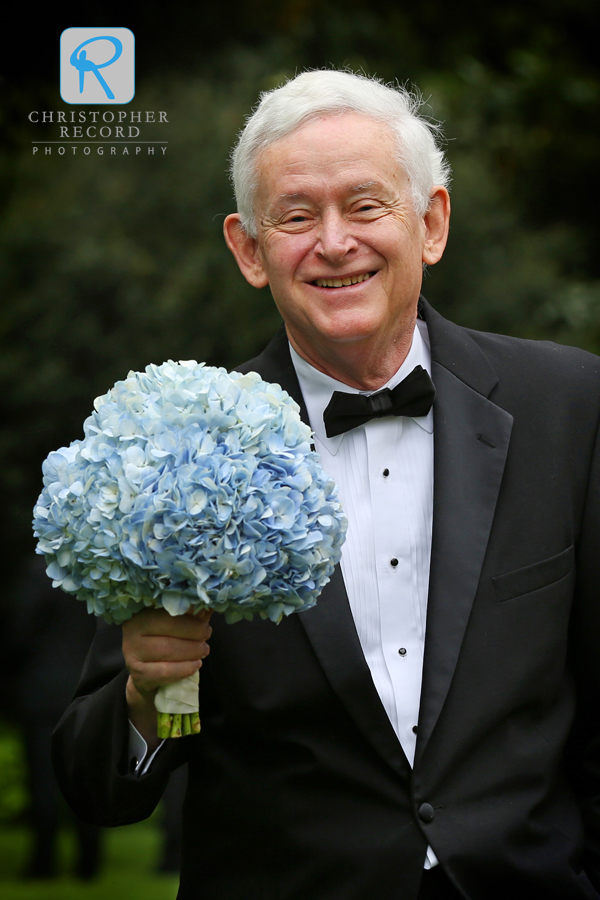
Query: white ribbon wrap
179, 697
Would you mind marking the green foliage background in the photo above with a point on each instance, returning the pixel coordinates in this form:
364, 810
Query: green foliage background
109, 263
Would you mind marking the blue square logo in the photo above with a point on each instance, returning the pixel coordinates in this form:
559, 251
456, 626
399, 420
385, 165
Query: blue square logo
97, 65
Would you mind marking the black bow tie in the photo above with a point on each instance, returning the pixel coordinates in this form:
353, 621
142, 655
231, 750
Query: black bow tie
414, 396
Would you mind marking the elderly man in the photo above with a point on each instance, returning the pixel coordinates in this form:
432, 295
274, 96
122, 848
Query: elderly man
430, 728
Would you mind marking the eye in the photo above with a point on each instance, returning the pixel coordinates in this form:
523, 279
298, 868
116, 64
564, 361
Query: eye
367, 207
296, 221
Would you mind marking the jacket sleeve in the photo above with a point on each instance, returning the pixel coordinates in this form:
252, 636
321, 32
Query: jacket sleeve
90, 742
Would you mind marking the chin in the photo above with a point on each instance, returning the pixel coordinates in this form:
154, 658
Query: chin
346, 333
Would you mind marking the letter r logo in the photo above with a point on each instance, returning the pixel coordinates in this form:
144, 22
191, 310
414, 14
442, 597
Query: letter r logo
97, 65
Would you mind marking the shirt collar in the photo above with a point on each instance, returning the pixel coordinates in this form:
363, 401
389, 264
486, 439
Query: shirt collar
317, 387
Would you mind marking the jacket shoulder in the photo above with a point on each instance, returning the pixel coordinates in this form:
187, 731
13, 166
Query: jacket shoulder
542, 369
510, 360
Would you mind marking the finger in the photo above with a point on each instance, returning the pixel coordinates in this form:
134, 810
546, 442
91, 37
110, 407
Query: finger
148, 677
158, 621
151, 648
202, 614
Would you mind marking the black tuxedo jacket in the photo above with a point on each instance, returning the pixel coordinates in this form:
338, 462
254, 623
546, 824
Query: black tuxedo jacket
298, 786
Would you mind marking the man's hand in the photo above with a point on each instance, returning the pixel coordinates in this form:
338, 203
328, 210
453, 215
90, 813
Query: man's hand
159, 649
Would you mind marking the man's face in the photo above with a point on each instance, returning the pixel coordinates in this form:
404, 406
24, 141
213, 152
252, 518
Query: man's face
338, 240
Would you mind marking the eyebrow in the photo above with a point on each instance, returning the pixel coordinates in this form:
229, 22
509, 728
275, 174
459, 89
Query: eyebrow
354, 189
363, 187
283, 198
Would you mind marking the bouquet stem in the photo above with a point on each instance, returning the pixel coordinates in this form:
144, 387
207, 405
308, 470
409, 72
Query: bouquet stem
177, 708
173, 725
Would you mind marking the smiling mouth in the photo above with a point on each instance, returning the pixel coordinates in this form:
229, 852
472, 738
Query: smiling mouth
341, 282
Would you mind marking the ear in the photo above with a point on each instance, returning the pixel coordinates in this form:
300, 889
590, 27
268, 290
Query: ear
246, 251
437, 223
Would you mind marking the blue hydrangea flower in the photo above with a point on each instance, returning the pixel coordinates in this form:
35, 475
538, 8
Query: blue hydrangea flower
193, 487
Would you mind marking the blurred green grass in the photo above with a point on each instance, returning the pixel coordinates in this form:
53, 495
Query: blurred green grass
129, 855
128, 870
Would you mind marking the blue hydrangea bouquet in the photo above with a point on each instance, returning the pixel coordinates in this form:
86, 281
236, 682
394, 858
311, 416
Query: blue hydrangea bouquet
192, 488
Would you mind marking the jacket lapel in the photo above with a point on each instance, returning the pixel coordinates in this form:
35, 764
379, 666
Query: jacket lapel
332, 633
471, 437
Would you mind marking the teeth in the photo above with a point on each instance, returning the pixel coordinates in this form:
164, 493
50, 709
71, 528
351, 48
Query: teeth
341, 282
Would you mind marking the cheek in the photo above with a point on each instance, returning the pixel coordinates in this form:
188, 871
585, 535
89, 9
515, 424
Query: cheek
405, 259
283, 258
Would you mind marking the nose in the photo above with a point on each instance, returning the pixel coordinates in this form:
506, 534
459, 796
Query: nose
335, 240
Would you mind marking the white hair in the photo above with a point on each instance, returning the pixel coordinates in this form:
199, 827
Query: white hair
331, 92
